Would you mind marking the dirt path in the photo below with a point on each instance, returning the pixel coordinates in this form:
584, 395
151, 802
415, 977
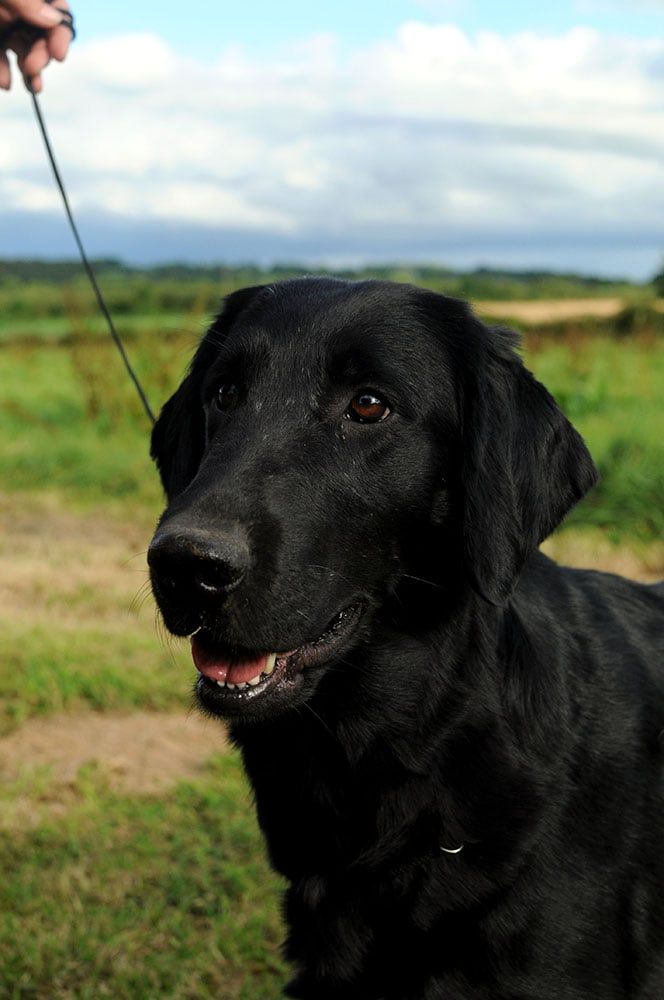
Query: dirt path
135, 754
140, 752
555, 310
550, 310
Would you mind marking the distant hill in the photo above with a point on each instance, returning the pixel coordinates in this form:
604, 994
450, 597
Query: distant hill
482, 282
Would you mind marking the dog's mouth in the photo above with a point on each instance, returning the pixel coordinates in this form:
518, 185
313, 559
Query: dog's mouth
230, 680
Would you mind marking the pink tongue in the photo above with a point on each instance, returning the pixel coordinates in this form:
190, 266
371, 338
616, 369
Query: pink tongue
217, 668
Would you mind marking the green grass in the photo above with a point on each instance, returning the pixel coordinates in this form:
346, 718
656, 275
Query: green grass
48, 669
59, 329
72, 423
126, 897
612, 391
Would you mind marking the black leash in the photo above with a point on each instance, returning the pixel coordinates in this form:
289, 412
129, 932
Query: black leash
86, 263
29, 31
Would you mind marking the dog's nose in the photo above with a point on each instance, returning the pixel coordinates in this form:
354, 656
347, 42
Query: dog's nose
197, 561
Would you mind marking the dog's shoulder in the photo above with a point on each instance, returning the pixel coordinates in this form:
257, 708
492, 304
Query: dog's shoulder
592, 591
609, 629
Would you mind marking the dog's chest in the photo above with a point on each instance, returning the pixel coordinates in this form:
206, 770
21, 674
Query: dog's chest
322, 820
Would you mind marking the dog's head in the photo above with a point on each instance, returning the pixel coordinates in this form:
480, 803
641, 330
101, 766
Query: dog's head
332, 444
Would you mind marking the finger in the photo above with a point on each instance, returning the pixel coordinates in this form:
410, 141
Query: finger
33, 59
5, 72
61, 5
58, 41
34, 83
34, 12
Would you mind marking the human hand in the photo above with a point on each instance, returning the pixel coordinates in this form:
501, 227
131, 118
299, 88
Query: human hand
48, 37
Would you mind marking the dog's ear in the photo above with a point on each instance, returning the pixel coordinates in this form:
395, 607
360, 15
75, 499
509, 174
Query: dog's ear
178, 436
523, 464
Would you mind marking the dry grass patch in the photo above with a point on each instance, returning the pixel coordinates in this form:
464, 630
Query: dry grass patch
592, 550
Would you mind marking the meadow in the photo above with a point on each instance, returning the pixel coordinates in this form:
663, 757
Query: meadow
137, 871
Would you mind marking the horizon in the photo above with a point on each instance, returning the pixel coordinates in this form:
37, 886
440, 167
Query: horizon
309, 268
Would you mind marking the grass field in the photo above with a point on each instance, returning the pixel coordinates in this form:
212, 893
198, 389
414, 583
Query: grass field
131, 862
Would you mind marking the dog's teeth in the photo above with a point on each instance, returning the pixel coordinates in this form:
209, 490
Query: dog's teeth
253, 681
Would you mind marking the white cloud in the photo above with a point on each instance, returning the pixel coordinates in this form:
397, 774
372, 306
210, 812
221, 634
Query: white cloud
430, 131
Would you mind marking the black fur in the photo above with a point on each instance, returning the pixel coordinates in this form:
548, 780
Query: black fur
489, 698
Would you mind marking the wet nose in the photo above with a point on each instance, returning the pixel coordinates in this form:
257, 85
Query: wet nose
189, 562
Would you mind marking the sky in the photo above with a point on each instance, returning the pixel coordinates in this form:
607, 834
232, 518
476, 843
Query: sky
442, 131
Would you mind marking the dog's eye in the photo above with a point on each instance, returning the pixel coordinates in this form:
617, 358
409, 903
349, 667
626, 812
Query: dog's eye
365, 408
227, 396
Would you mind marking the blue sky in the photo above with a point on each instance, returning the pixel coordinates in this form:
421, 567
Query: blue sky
201, 27
459, 132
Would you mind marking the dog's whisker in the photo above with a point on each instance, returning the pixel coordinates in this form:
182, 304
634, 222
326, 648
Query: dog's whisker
165, 637
420, 579
324, 724
136, 555
140, 598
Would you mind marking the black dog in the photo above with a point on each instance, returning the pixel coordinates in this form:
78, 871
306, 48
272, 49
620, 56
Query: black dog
456, 746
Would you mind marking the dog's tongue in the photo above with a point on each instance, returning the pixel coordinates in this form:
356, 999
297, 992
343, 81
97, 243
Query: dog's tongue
219, 668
